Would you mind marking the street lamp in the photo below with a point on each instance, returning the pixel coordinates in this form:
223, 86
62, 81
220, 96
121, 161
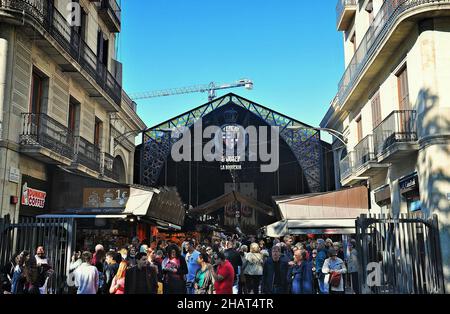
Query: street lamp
341, 137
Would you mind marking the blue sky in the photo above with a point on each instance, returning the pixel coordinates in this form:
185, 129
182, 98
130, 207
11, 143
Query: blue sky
289, 48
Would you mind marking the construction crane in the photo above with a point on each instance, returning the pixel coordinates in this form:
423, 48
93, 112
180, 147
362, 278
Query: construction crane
210, 88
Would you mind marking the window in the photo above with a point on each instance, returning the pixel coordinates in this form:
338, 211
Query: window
39, 92
369, 10
359, 128
403, 90
74, 116
98, 132
102, 48
376, 109
353, 41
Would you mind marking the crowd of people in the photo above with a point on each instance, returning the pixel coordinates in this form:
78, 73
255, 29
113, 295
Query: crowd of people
231, 265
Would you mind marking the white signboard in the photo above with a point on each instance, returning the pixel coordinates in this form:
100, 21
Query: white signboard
14, 175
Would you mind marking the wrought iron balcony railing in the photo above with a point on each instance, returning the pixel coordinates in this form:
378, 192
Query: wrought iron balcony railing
107, 163
112, 7
381, 25
340, 7
55, 24
399, 126
39, 130
364, 152
87, 154
347, 165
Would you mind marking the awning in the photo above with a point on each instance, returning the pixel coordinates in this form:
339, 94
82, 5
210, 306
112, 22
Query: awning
82, 216
223, 200
138, 202
313, 226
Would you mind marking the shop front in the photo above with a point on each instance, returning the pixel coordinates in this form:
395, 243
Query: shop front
409, 190
110, 213
331, 214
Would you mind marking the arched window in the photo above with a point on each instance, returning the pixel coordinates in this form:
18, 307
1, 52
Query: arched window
119, 173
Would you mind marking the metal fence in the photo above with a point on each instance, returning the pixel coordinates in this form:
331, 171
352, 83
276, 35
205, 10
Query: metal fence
399, 255
57, 236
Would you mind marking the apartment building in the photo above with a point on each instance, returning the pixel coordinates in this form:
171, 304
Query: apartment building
61, 99
393, 106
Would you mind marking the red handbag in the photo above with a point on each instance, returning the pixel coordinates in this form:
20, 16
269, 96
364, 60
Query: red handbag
335, 279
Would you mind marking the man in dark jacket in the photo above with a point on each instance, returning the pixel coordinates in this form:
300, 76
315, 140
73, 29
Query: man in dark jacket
275, 273
233, 256
142, 278
110, 270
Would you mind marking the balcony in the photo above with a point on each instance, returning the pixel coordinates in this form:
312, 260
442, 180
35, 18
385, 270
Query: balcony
347, 166
63, 43
86, 157
110, 12
107, 163
376, 41
365, 163
46, 139
396, 136
345, 11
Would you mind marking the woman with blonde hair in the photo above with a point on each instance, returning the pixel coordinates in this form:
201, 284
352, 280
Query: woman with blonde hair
253, 269
118, 283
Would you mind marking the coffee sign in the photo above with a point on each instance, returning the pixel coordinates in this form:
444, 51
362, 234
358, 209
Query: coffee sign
32, 197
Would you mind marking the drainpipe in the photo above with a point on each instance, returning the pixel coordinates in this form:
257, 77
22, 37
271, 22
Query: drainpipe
6, 77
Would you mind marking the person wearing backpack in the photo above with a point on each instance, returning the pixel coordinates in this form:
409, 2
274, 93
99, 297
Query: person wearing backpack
254, 269
334, 268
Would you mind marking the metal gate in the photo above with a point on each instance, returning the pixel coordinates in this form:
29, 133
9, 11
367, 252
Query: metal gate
57, 236
399, 255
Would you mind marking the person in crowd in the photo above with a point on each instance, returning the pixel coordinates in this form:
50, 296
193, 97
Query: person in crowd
334, 268
118, 282
136, 244
110, 270
315, 276
224, 276
233, 256
210, 252
98, 260
191, 261
159, 257
263, 248
275, 273
17, 278
7, 274
124, 254
339, 249
204, 281
320, 259
174, 269
254, 269
353, 266
44, 269
86, 276
75, 262
300, 275
243, 250
289, 254
143, 248
132, 251
328, 244
141, 278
